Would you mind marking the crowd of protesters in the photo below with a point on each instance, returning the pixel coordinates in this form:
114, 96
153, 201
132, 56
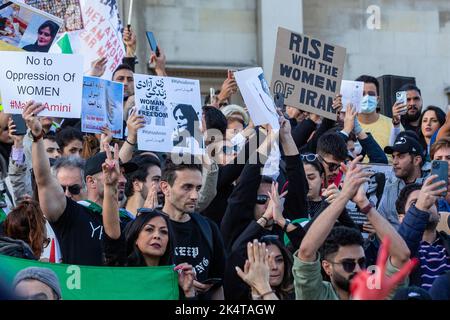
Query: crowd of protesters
230, 231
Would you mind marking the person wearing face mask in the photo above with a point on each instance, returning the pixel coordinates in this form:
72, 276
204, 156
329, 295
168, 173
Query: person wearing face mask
371, 121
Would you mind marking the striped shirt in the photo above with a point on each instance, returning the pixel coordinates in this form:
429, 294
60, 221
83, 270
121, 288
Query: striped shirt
434, 261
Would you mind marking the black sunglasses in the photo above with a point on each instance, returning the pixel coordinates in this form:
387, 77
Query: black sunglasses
349, 265
73, 189
261, 198
331, 165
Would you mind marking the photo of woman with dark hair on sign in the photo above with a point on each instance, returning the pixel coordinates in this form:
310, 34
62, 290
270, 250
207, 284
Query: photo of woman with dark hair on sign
46, 34
187, 132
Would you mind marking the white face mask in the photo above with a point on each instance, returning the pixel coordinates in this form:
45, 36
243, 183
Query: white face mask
369, 104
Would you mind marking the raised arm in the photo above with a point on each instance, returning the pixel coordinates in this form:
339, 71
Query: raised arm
398, 250
134, 123
321, 227
51, 195
111, 174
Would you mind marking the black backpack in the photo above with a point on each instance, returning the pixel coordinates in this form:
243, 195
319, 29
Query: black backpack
205, 229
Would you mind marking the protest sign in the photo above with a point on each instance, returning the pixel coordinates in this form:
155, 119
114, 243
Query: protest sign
102, 106
68, 10
54, 80
101, 36
352, 92
308, 72
24, 28
381, 173
256, 94
102, 283
172, 111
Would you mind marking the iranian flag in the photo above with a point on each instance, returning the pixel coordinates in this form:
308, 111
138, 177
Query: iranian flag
63, 45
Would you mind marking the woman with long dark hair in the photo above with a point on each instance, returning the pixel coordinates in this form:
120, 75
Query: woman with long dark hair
146, 241
431, 120
46, 34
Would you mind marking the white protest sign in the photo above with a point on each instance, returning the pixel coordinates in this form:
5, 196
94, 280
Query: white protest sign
52, 79
101, 36
172, 111
102, 106
256, 94
352, 92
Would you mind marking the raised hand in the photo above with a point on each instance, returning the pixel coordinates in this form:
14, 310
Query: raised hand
186, 277
349, 119
98, 67
18, 140
134, 123
129, 40
106, 137
430, 193
397, 110
330, 193
378, 286
111, 167
229, 87
275, 207
151, 201
355, 176
159, 62
337, 103
30, 112
256, 269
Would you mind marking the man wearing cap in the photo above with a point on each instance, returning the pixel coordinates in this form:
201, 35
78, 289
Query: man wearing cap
37, 284
408, 159
78, 228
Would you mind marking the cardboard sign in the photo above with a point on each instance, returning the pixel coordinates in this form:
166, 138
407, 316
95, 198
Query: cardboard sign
54, 80
352, 92
172, 111
24, 28
68, 10
102, 106
308, 72
256, 94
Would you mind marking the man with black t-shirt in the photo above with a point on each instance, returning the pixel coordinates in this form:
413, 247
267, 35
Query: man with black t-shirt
78, 228
197, 239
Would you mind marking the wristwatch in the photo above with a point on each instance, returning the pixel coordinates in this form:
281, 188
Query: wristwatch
286, 224
367, 208
36, 138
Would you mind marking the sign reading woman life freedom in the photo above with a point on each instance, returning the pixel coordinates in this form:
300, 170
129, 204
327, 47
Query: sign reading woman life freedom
308, 72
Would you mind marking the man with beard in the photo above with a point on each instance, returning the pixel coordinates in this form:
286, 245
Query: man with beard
418, 228
342, 255
410, 120
408, 159
197, 239
78, 227
143, 184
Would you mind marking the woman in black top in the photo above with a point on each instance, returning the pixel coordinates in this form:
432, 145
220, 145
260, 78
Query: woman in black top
145, 241
46, 34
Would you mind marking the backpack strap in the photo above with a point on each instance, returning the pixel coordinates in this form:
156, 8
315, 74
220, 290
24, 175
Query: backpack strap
205, 229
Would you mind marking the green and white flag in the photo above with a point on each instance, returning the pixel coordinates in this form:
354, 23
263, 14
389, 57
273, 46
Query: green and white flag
63, 45
102, 283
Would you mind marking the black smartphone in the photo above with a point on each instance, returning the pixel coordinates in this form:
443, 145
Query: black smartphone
279, 102
153, 44
212, 281
440, 168
21, 126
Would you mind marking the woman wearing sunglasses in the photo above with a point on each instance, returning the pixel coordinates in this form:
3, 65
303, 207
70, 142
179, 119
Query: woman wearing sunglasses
320, 196
46, 34
146, 241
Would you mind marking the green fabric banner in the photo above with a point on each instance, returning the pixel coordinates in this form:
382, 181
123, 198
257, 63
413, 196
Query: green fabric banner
103, 283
